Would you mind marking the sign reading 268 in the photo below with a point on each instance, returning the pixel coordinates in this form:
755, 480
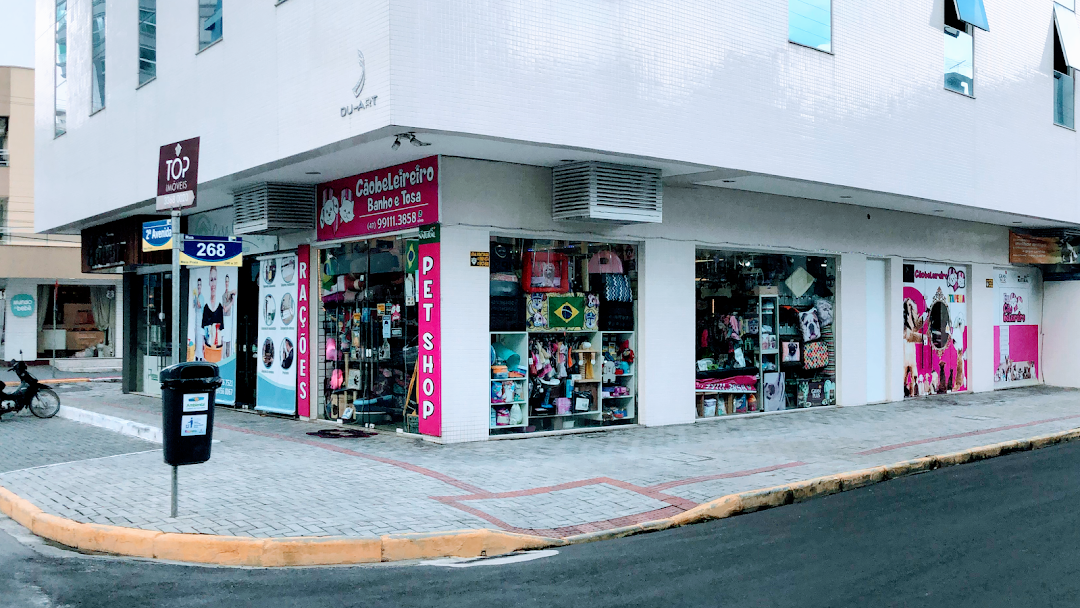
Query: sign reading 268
212, 251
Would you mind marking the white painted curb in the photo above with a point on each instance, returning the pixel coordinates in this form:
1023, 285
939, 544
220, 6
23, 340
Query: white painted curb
119, 425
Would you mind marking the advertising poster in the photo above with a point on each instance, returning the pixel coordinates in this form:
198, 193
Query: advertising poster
1031, 249
303, 334
429, 376
212, 323
396, 198
935, 328
1016, 327
275, 386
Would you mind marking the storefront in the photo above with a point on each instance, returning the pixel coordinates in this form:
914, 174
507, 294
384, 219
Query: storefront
935, 333
563, 341
764, 334
1017, 328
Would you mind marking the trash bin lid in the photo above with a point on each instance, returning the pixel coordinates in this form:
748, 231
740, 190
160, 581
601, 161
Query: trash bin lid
191, 370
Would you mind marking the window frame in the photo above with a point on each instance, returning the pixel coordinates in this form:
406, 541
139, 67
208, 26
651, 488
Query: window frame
94, 56
969, 30
60, 23
831, 50
201, 26
139, 43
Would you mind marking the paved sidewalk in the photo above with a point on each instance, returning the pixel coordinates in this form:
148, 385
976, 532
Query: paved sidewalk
269, 478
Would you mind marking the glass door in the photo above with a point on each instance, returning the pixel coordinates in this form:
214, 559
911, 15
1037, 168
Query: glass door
153, 331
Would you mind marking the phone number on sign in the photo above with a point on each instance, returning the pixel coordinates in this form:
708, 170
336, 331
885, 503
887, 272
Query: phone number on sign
396, 220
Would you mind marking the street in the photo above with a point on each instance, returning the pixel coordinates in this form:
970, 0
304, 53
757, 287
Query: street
1000, 532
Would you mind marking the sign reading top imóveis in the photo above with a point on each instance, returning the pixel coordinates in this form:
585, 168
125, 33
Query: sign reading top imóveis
157, 236
178, 175
212, 251
396, 198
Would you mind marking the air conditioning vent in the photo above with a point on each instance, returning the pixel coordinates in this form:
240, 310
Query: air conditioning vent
595, 191
274, 208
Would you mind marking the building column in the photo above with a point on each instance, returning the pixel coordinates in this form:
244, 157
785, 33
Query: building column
894, 336
982, 310
21, 333
850, 339
1061, 332
667, 304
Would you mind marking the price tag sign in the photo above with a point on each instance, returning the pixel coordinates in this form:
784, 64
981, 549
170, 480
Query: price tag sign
212, 251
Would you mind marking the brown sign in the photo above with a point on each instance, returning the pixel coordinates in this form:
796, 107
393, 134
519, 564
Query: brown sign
178, 175
1029, 249
118, 244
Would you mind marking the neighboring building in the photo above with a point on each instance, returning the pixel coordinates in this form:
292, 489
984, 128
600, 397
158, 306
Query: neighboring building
714, 208
51, 310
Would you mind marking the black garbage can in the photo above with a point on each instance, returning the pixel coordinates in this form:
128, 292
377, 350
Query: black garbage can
187, 411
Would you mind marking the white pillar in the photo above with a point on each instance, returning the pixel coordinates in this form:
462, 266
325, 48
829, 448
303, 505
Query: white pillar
1061, 333
665, 324
981, 327
894, 317
850, 336
21, 333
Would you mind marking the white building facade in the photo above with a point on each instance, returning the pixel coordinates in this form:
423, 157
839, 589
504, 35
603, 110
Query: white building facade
828, 175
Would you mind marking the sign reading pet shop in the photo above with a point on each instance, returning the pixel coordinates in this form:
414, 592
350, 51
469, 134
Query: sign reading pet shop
429, 372
396, 198
212, 251
157, 235
178, 174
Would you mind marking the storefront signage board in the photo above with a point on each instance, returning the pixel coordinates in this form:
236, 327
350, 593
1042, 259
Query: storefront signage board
935, 332
1016, 327
397, 198
157, 236
1029, 249
303, 333
212, 251
22, 305
275, 385
178, 175
480, 259
429, 372
211, 316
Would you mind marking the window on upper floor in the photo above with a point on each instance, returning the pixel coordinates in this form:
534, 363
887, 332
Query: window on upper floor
60, 82
961, 16
1066, 48
3, 220
147, 41
810, 23
3, 141
209, 22
97, 40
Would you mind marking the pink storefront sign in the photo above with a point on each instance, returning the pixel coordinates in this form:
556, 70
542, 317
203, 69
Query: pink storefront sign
303, 333
429, 376
388, 200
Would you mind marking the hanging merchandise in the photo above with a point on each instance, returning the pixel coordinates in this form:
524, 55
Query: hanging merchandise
815, 355
605, 262
546, 272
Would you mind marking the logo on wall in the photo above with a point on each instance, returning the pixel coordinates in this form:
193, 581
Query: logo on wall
357, 90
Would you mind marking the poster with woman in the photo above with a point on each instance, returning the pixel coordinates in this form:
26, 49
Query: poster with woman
935, 328
211, 317
1016, 326
276, 377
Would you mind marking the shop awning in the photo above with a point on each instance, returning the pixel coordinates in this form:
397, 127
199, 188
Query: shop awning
1068, 31
973, 12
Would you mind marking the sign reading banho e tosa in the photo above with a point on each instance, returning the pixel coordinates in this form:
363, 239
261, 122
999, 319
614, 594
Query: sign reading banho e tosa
303, 334
396, 198
429, 290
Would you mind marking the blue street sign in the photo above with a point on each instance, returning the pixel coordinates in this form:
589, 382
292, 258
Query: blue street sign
212, 251
157, 235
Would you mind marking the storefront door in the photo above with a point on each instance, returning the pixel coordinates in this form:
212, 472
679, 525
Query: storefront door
247, 333
153, 323
935, 312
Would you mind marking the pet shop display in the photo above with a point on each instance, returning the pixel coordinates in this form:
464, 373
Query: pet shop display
764, 325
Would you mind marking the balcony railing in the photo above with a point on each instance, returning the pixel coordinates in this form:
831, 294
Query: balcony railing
3, 157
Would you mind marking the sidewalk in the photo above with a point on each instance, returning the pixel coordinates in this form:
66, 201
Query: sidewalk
268, 478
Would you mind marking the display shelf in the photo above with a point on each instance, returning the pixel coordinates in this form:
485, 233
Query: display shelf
507, 426
522, 402
590, 412
510, 379
726, 392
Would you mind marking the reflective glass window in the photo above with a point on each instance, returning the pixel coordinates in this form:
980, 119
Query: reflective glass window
147, 41
97, 36
209, 22
60, 57
810, 23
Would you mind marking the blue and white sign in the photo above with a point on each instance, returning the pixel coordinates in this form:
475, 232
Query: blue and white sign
212, 251
22, 305
157, 236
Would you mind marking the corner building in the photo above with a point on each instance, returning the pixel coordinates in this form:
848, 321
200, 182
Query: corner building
511, 220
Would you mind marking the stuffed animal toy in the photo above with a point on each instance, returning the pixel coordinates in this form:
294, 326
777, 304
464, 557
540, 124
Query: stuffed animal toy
625, 352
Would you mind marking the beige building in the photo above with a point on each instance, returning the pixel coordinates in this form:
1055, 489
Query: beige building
51, 309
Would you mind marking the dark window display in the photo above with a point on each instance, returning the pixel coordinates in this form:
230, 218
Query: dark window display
764, 336
562, 335
368, 294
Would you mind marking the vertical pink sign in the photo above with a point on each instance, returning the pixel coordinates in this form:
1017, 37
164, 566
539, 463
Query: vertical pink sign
429, 376
303, 331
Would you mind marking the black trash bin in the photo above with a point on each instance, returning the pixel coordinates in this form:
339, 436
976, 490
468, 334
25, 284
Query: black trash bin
187, 411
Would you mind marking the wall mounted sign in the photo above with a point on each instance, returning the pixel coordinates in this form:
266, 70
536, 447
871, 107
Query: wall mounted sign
278, 314
157, 236
480, 259
388, 200
361, 103
22, 305
212, 251
303, 333
429, 376
178, 175
1030, 249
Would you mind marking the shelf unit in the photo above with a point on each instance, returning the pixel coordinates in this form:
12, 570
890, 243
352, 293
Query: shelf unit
591, 380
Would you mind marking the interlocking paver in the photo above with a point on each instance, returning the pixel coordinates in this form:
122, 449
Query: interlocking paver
268, 477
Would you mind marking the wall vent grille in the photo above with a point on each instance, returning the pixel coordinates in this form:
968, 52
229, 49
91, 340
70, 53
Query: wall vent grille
270, 208
596, 191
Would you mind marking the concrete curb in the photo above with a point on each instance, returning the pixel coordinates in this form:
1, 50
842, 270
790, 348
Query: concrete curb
323, 551
112, 423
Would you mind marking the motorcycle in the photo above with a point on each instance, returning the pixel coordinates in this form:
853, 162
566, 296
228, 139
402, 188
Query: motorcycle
42, 401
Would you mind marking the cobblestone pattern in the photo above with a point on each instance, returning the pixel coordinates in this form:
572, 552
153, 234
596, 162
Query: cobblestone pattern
268, 477
27, 441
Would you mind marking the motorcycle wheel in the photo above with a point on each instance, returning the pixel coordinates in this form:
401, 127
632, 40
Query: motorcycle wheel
45, 403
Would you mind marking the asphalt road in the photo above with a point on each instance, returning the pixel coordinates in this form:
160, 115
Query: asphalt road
1002, 532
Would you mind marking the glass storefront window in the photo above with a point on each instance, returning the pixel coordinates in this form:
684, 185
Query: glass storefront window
369, 327
153, 331
76, 321
563, 337
764, 335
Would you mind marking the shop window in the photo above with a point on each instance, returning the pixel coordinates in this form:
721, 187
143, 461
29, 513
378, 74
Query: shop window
76, 321
369, 332
765, 338
563, 340
810, 23
959, 53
